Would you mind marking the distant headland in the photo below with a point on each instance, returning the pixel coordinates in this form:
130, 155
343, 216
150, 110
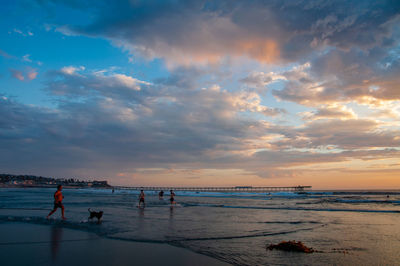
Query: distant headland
8, 180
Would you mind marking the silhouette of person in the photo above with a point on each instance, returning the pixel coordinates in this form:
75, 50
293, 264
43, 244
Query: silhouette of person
58, 197
172, 197
141, 198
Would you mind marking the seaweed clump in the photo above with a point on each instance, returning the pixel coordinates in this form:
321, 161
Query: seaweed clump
291, 246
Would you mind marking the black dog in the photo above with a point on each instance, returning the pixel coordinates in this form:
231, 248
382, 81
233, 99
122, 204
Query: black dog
98, 215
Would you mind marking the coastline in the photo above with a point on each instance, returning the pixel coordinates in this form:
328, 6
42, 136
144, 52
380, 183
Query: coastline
52, 186
33, 244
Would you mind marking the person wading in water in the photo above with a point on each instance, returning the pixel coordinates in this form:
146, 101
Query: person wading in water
172, 197
141, 198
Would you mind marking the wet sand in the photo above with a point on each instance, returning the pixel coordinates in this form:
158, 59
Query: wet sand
30, 244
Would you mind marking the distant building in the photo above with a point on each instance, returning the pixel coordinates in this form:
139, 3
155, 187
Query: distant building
29, 180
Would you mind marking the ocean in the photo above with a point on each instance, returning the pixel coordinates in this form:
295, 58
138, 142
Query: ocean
344, 227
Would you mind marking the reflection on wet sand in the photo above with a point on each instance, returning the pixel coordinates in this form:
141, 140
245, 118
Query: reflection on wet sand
141, 212
56, 238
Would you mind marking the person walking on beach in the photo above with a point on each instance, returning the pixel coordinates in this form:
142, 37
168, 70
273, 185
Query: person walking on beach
141, 198
161, 195
172, 197
58, 197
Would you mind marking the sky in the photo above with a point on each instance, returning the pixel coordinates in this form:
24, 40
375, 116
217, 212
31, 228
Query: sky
202, 93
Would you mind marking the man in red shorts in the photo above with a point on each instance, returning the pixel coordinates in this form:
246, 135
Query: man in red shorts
58, 197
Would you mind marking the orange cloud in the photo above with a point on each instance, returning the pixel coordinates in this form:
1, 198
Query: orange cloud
265, 51
32, 75
29, 74
17, 74
211, 52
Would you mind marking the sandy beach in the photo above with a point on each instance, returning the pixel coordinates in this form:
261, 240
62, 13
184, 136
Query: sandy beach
30, 244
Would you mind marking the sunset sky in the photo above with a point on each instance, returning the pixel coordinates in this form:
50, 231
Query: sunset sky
202, 93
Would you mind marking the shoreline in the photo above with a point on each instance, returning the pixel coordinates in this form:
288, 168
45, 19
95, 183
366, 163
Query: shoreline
54, 244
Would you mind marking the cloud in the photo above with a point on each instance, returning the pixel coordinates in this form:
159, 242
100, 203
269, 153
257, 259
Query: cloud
342, 77
26, 58
113, 123
70, 70
20, 32
386, 113
303, 88
187, 77
261, 80
292, 164
329, 111
32, 74
128, 81
339, 134
268, 32
356, 73
68, 82
28, 74
125, 122
4, 54
330, 53
73, 81
17, 74
251, 101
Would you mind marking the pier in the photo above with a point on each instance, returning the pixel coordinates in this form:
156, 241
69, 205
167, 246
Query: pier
222, 189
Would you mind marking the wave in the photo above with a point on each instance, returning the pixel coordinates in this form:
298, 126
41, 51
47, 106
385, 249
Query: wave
280, 207
244, 236
350, 200
291, 222
25, 209
290, 208
368, 201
